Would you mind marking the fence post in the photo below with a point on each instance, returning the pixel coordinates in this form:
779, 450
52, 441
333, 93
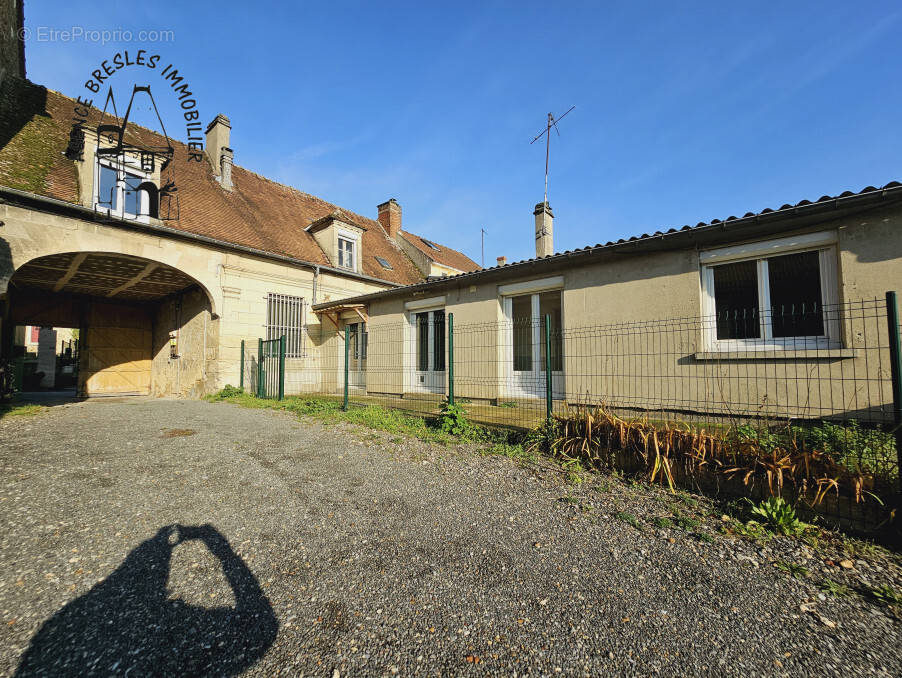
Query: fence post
895, 360
548, 394
450, 358
347, 365
241, 377
282, 342
260, 389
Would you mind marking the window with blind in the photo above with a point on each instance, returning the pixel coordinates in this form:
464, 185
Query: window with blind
285, 315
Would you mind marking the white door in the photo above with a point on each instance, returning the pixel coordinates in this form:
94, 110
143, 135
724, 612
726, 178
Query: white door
357, 336
525, 344
428, 351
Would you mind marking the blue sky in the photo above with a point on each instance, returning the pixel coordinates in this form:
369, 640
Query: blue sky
685, 112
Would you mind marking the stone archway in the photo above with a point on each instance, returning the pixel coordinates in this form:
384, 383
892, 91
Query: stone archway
145, 325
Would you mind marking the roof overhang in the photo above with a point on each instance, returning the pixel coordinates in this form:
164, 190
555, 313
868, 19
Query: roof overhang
334, 312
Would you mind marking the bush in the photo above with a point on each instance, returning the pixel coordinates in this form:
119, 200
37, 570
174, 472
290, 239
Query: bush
853, 447
856, 448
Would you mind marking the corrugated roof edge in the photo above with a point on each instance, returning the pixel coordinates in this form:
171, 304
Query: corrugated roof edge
870, 193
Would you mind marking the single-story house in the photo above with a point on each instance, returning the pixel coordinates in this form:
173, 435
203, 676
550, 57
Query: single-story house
775, 311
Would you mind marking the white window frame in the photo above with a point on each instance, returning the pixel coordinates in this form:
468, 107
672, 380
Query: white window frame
824, 243
121, 169
354, 240
287, 317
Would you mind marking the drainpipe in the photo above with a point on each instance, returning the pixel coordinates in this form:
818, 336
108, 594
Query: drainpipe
315, 279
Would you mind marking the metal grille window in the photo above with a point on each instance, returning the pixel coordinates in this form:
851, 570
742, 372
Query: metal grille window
285, 315
780, 293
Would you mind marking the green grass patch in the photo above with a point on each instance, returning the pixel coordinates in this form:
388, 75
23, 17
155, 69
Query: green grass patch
12, 410
450, 426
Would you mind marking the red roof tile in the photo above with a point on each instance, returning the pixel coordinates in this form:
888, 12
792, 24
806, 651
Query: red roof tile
258, 212
441, 254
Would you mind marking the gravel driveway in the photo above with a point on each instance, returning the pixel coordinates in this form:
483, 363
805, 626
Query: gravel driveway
181, 537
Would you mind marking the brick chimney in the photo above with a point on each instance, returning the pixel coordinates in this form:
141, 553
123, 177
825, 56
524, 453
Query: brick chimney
390, 217
217, 146
502, 261
544, 230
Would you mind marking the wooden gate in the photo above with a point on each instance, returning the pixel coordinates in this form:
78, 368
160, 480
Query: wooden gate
116, 351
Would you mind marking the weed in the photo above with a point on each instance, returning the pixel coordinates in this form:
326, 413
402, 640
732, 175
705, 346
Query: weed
751, 529
569, 499
859, 549
779, 516
689, 501
628, 518
704, 537
834, 588
794, 569
686, 523
453, 419
509, 403
662, 522
886, 595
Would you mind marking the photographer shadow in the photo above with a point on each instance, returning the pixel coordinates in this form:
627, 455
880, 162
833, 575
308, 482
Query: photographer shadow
127, 624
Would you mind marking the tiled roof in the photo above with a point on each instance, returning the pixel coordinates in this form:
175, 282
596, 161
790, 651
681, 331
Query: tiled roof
787, 210
768, 220
442, 255
258, 213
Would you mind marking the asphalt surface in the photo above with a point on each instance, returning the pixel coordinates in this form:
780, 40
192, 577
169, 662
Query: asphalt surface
168, 537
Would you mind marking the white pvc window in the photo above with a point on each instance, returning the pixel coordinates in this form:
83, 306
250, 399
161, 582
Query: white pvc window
346, 253
285, 315
785, 297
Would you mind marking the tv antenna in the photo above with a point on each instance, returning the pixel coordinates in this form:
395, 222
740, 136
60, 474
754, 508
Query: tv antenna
483, 246
552, 122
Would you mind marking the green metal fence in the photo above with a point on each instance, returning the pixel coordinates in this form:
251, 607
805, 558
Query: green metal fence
840, 393
262, 371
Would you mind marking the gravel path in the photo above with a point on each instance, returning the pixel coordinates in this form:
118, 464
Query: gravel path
181, 537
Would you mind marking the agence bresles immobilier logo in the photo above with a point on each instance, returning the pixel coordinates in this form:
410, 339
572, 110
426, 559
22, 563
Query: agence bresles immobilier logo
134, 170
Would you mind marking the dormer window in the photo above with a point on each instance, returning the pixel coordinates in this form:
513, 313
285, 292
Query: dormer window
346, 253
124, 191
340, 240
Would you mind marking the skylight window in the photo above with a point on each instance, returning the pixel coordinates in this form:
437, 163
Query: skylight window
384, 263
430, 244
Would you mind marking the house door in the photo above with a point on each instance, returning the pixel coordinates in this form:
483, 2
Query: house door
357, 336
428, 351
525, 344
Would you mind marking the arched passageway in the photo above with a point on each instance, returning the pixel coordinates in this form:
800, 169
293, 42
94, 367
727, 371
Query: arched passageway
145, 326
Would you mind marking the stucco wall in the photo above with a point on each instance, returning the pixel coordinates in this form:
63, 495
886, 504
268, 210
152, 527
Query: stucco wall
632, 326
235, 286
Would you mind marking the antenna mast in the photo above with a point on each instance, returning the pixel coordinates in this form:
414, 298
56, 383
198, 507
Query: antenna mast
551, 122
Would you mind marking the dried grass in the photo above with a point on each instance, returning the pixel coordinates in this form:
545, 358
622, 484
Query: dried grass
596, 435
